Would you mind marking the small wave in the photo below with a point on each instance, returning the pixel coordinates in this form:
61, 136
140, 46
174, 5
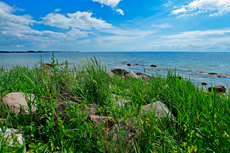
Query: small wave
221, 65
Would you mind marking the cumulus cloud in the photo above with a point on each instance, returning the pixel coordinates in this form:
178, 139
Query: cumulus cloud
81, 20
215, 7
120, 11
111, 3
57, 10
164, 25
17, 30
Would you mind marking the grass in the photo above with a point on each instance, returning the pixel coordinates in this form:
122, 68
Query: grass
201, 123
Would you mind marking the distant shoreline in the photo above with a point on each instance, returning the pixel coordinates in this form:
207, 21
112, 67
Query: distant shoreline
37, 51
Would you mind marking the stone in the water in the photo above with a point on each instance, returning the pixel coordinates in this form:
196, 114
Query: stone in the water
136, 65
129, 64
119, 71
153, 65
124, 62
218, 88
212, 74
16, 101
204, 84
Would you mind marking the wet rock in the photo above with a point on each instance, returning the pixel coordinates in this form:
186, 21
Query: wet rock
153, 65
218, 88
136, 65
124, 62
212, 74
119, 71
110, 73
204, 84
132, 74
120, 101
129, 64
16, 101
221, 76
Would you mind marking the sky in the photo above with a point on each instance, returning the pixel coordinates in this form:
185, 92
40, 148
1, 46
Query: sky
115, 25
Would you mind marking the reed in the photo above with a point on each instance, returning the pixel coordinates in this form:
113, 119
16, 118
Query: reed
201, 122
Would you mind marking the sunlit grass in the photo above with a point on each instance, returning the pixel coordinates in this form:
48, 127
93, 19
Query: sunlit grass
201, 123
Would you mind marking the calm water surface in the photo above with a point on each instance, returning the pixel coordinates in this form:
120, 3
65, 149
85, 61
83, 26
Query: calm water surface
186, 64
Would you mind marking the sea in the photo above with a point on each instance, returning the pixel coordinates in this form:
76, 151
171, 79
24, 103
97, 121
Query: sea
195, 66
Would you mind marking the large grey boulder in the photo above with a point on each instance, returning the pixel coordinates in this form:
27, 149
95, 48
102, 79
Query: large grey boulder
162, 112
132, 74
17, 102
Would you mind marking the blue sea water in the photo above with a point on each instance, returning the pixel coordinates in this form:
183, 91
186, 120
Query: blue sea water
188, 64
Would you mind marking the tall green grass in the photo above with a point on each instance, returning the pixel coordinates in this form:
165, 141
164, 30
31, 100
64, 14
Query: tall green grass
201, 122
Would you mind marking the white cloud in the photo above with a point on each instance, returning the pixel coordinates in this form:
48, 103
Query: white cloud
81, 20
16, 30
164, 25
199, 34
57, 10
120, 11
111, 3
6, 13
215, 7
20, 45
168, 4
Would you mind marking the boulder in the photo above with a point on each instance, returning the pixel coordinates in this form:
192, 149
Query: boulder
124, 62
218, 88
129, 64
47, 65
119, 71
12, 134
204, 84
110, 73
136, 64
120, 101
212, 74
132, 74
17, 101
162, 112
143, 76
153, 65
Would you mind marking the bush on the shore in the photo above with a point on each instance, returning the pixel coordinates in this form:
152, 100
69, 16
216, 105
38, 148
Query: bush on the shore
201, 122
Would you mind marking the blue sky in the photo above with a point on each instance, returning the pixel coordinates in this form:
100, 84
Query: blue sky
115, 25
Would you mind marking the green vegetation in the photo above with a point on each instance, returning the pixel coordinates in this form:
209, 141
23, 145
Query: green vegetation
201, 123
